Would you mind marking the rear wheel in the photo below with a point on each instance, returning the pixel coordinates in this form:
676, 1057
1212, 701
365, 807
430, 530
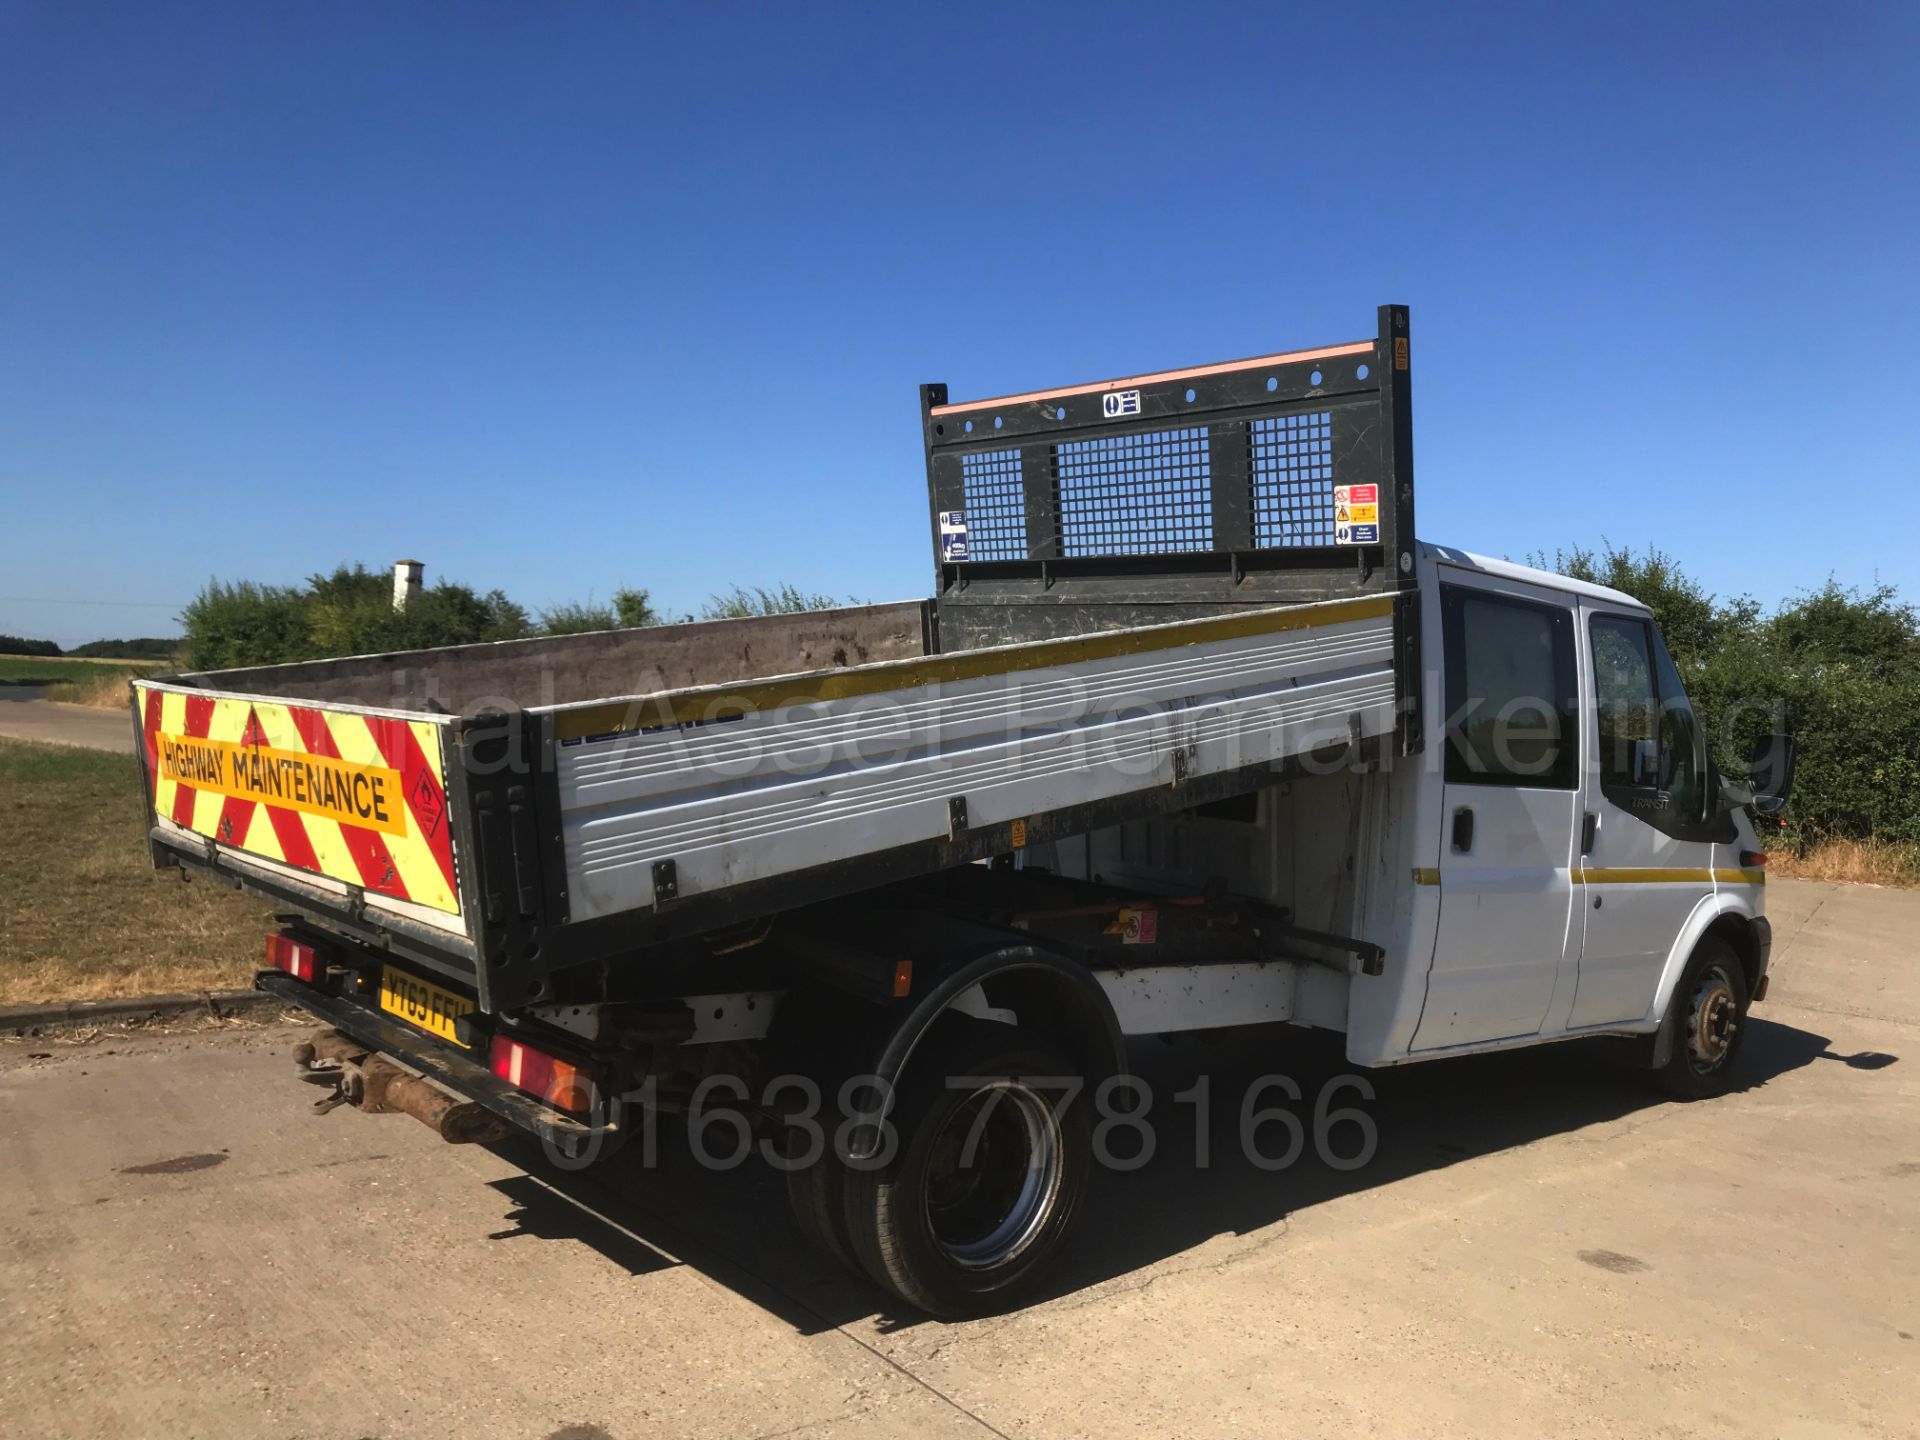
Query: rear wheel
1706, 1022
817, 1195
987, 1180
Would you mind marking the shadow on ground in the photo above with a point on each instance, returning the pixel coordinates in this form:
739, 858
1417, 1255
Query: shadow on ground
735, 1228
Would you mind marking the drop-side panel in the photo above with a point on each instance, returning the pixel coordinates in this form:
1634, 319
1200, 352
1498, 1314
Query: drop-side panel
746, 784
354, 798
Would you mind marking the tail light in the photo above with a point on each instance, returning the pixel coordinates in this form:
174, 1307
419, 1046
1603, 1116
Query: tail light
296, 957
561, 1084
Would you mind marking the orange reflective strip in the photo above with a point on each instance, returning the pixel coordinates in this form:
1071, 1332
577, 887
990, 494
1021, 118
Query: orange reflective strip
1329, 352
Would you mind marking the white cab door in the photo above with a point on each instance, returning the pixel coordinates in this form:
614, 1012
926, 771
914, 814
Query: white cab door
1648, 844
1506, 937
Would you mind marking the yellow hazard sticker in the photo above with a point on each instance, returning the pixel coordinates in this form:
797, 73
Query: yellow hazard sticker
365, 795
1019, 834
1399, 352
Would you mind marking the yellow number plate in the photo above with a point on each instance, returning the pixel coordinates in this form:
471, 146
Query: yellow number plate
415, 1001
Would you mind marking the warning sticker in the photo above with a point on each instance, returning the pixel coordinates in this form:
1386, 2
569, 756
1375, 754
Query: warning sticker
1136, 925
1117, 404
953, 536
1356, 514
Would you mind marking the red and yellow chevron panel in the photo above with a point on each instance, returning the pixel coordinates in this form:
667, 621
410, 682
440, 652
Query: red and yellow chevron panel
358, 798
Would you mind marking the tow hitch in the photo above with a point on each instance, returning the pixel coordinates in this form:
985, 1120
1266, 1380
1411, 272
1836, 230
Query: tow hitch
379, 1086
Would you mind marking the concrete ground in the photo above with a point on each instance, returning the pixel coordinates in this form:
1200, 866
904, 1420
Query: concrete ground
24, 715
1538, 1247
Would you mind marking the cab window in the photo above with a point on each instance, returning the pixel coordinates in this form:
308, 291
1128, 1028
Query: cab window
1650, 740
1682, 747
1623, 694
1510, 687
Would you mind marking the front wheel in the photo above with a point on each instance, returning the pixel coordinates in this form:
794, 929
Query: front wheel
987, 1182
1707, 1023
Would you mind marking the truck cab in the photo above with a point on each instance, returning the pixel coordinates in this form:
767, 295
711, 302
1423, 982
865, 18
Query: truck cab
1580, 843
1543, 866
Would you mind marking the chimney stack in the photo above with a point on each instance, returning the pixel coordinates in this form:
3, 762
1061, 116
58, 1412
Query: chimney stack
406, 582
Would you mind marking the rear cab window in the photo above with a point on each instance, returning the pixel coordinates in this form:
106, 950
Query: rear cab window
1510, 685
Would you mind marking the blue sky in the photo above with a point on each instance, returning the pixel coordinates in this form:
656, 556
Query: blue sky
568, 296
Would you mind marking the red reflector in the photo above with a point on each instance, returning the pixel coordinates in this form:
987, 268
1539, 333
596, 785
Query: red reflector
296, 957
562, 1085
902, 978
1753, 859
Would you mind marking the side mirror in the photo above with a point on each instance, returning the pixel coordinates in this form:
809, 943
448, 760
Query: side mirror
1646, 764
1770, 772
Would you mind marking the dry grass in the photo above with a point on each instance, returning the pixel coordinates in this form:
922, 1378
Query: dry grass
1854, 862
82, 916
61, 669
99, 689
77, 680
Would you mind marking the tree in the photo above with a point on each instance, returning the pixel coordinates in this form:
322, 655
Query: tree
1840, 668
577, 617
1688, 616
144, 648
630, 610
1848, 664
347, 612
1872, 631
633, 610
742, 602
237, 623
20, 645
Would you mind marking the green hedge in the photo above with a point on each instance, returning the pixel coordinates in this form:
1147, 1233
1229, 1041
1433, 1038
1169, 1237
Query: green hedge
349, 612
1840, 667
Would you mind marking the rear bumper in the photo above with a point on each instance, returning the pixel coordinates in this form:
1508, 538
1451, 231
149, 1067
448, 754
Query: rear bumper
450, 1066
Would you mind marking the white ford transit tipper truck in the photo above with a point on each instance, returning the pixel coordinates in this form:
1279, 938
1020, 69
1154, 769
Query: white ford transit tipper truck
1194, 733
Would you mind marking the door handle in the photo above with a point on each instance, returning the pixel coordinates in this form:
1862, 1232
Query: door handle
1463, 829
1589, 827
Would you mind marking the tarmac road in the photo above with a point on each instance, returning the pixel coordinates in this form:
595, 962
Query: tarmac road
1539, 1247
24, 715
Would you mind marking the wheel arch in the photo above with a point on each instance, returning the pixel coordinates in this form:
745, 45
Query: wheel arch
823, 1032
1719, 913
1722, 917
1742, 933
1048, 996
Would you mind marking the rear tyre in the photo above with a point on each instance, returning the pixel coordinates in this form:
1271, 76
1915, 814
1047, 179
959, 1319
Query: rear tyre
817, 1195
1706, 1023
986, 1181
